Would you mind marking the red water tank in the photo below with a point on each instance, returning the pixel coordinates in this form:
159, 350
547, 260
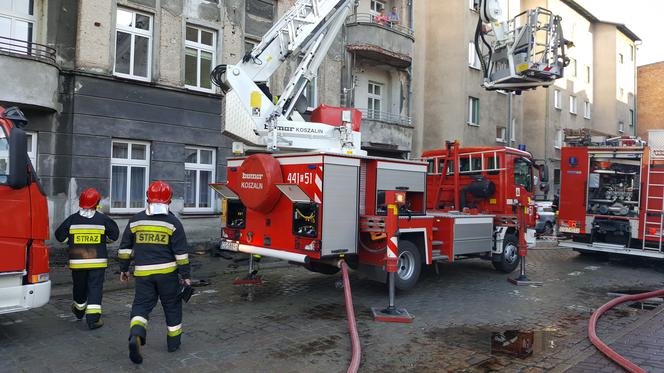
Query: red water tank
332, 115
257, 179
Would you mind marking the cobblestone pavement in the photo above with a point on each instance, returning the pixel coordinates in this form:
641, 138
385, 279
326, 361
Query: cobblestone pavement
296, 322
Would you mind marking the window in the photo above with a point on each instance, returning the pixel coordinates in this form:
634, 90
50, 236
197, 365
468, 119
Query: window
471, 4
130, 162
199, 167
572, 104
4, 157
133, 45
556, 176
31, 138
376, 6
513, 130
556, 99
587, 74
621, 91
558, 142
249, 45
572, 67
473, 111
523, 174
199, 58
501, 134
374, 100
621, 59
632, 52
621, 127
17, 20
632, 118
586, 109
473, 58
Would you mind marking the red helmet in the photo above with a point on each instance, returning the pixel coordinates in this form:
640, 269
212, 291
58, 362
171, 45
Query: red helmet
159, 192
89, 199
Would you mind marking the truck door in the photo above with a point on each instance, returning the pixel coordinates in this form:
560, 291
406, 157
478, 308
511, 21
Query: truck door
15, 218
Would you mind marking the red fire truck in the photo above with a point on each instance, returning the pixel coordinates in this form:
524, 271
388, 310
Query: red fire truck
313, 208
24, 279
611, 196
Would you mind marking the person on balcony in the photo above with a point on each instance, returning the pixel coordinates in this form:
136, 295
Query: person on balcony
381, 18
393, 17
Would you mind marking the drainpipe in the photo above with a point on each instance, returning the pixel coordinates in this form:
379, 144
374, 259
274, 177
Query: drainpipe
510, 96
410, 72
546, 132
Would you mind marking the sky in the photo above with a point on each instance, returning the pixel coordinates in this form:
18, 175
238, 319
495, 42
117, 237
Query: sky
643, 17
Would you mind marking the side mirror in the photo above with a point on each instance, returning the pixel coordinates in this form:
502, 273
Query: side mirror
544, 173
18, 159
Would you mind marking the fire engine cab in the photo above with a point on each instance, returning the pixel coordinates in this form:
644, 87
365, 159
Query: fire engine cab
327, 200
24, 278
611, 195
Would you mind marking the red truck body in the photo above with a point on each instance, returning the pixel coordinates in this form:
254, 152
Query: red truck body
24, 271
611, 197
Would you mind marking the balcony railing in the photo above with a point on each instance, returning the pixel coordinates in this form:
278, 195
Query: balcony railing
26, 48
390, 118
376, 20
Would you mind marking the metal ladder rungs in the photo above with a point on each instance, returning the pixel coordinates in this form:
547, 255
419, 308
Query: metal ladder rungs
440, 257
437, 243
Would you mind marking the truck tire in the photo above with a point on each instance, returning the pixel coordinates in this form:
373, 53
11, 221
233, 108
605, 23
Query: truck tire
509, 259
325, 269
409, 266
548, 229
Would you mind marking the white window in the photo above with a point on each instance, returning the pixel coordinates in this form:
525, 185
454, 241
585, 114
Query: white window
376, 6
471, 4
586, 109
199, 58
31, 138
559, 139
556, 99
473, 111
621, 92
4, 157
572, 67
621, 127
572, 104
133, 45
374, 100
17, 20
632, 52
621, 58
513, 130
501, 134
199, 170
632, 118
130, 166
473, 58
587, 74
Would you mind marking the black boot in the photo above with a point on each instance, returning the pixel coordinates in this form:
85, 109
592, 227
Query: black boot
78, 313
95, 324
173, 343
135, 349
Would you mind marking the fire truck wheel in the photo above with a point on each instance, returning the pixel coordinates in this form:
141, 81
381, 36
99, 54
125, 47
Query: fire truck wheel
509, 259
409, 266
322, 268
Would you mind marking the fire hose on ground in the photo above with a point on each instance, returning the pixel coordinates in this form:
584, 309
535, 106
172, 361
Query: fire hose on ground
352, 325
606, 350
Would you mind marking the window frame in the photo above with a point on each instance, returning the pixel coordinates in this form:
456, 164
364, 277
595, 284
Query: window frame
530, 187
621, 127
374, 12
471, 111
621, 58
588, 74
586, 109
198, 167
503, 131
14, 16
133, 31
4, 178
473, 58
557, 99
632, 117
129, 164
200, 47
573, 65
572, 105
372, 113
559, 139
33, 144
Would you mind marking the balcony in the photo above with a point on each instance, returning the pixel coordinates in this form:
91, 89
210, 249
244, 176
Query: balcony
379, 41
29, 73
381, 130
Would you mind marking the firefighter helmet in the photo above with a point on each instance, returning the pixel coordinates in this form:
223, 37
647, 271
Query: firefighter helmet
89, 199
159, 192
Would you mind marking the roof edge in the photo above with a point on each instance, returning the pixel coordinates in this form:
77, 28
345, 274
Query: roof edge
591, 18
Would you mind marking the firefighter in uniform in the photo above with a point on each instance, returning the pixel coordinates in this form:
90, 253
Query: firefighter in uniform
87, 232
156, 241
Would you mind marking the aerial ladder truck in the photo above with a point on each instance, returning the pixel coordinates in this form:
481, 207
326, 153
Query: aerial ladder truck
310, 195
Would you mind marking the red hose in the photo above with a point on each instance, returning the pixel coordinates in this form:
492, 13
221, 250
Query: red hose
352, 326
606, 350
